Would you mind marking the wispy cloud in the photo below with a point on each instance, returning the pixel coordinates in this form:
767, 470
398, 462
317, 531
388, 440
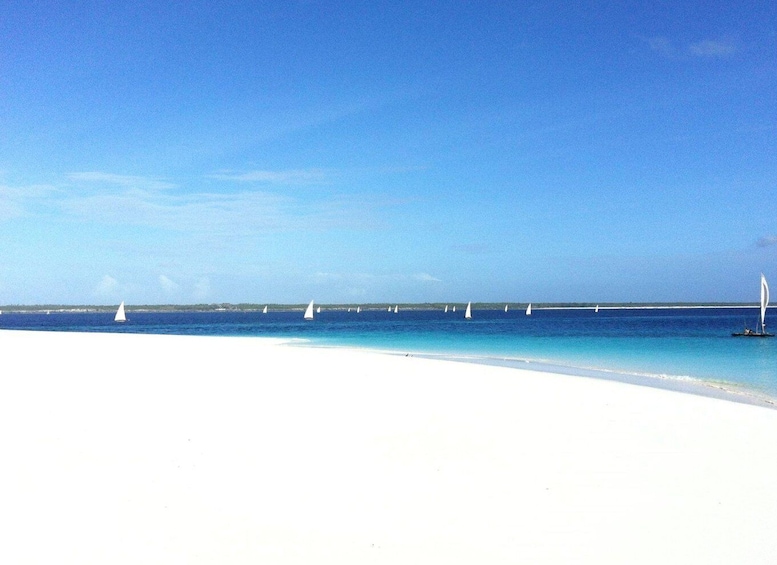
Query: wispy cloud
425, 277
15, 200
202, 289
107, 287
288, 177
708, 48
767, 241
242, 212
661, 45
168, 285
128, 181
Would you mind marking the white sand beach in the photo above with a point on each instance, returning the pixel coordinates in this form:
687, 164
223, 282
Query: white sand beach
141, 449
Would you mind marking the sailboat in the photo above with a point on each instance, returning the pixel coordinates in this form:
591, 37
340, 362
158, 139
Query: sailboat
265, 310
318, 310
454, 308
528, 309
309, 311
468, 313
120, 316
760, 328
349, 309
446, 308
396, 308
596, 310
358, 309
505, 307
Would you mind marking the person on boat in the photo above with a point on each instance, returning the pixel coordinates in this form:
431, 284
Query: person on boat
748, 331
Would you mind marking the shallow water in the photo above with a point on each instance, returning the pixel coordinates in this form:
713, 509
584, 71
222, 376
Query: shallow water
667, 344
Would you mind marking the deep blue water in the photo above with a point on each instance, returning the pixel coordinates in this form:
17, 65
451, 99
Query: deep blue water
674, 343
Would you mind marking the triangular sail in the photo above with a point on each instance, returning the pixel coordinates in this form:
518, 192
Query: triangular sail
446, 308
506, 307
396, 309
265, 310
120, 316
764, 299
528, 309
468, 313
309, 311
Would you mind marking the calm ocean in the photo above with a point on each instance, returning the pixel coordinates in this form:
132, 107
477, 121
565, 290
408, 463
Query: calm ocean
667, 347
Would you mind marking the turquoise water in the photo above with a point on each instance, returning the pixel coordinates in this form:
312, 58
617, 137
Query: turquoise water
668, 345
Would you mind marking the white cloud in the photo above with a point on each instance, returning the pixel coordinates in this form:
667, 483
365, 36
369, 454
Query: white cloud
709, 48
425, 277
15, 200
202, 289
661, 45
704, 48
126, 181
289, 177
168, 285
107, 287
241, 213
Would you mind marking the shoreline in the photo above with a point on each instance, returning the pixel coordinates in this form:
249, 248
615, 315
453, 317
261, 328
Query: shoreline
140, 448
722, 390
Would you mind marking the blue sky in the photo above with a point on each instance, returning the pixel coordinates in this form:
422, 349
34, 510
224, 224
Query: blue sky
161, 152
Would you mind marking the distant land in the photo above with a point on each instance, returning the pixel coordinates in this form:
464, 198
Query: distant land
250, 307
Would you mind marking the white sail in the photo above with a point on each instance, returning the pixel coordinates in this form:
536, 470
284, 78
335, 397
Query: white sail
396, 309
528, 309
120, 317
468, 313
446, 308
349, 309
597, 308
358, 309
265, 310
318, 310
309, 311
505, 307
454, 308
764, 300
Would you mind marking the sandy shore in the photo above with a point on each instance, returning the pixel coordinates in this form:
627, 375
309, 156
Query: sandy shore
166, 449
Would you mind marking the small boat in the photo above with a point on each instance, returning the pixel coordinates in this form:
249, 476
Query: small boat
454, 308
309, 311
265, 310
396, 308
468, 313
349, 309
318, 310
120, 316
505, 307
760, 328
446, 308
528, 309
596, 310
358, 309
